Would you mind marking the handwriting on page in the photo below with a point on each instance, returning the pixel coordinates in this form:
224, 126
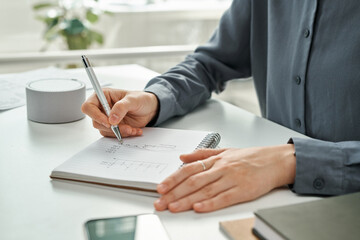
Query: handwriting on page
138, 166
149, 147
146, 159
121, 157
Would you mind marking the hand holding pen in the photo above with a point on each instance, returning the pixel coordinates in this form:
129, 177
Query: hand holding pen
100, 95
130, 110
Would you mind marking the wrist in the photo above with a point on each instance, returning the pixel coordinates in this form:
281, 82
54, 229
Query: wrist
154, 113
286, 165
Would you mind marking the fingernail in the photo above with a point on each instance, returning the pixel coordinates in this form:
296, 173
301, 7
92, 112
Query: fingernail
139, 131
114, 118
159, 203
174, 205
162, 188
198, 205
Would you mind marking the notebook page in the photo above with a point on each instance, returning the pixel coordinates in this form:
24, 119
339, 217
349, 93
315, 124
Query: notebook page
145, 159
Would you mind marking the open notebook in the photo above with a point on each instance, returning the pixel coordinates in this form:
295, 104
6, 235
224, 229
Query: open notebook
140, 163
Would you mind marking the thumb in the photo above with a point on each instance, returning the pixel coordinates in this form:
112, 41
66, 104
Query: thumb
118, 111
200, 154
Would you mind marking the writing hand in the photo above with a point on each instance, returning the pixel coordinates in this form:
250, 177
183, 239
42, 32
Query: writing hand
231, 176
131, 110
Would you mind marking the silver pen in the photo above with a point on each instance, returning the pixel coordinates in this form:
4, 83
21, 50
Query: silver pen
100, 94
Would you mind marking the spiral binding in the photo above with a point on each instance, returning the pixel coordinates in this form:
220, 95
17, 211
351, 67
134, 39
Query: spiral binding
210, 141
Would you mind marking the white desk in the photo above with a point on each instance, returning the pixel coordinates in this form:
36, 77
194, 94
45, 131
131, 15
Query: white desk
34, 207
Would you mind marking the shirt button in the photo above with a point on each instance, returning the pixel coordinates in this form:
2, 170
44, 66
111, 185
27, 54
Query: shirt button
306, 32
298, 80
297, 122
319, 183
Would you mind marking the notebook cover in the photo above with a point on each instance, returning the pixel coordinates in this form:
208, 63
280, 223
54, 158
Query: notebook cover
238, 229
329, 218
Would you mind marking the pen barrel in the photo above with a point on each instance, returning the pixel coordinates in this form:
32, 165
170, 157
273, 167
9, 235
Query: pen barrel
98, 90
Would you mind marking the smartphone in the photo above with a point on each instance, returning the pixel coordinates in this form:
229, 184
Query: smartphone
137, 227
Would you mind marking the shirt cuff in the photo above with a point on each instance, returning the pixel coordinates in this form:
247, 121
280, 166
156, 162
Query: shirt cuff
319, 167
166, 99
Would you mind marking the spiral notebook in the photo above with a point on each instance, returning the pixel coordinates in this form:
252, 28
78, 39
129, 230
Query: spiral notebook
140, 163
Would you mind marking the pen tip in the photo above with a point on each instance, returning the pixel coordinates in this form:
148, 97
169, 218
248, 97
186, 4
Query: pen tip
117, 133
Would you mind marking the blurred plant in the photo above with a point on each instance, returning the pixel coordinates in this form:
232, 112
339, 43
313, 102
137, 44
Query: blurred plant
72, 20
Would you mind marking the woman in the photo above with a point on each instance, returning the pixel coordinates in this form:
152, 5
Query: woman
304, 57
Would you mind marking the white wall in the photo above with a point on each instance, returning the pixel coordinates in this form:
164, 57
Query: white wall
19, 31
152, 25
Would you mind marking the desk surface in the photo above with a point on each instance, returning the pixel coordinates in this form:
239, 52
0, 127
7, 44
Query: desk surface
34, 207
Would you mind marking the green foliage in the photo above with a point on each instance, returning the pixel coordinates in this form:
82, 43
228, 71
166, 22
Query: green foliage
97, 37
43, 5
73, 25
91, 17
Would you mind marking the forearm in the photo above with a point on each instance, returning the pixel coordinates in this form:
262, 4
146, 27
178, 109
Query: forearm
224, 57
179, 90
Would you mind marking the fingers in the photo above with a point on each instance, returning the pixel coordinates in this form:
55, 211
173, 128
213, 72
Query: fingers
118, 111
190, 185
200, 154
92, 108
207, 192
134, 110
182, 174
107, 134
125, 130
231, 177
193, 188
224, 199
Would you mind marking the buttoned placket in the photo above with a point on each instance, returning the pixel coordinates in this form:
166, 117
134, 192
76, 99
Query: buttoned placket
305, 34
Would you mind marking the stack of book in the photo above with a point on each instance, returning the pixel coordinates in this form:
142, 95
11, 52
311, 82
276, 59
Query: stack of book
329, 218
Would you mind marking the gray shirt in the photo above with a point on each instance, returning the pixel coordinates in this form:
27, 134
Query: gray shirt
304, 57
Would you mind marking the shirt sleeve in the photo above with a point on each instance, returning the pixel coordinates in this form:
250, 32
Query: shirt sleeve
326, 168
224, 57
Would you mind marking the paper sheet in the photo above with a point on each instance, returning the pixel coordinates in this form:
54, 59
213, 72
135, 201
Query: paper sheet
146, 159
12, 86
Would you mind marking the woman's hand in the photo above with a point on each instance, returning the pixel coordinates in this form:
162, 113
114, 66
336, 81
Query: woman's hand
131, 110
231, 176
